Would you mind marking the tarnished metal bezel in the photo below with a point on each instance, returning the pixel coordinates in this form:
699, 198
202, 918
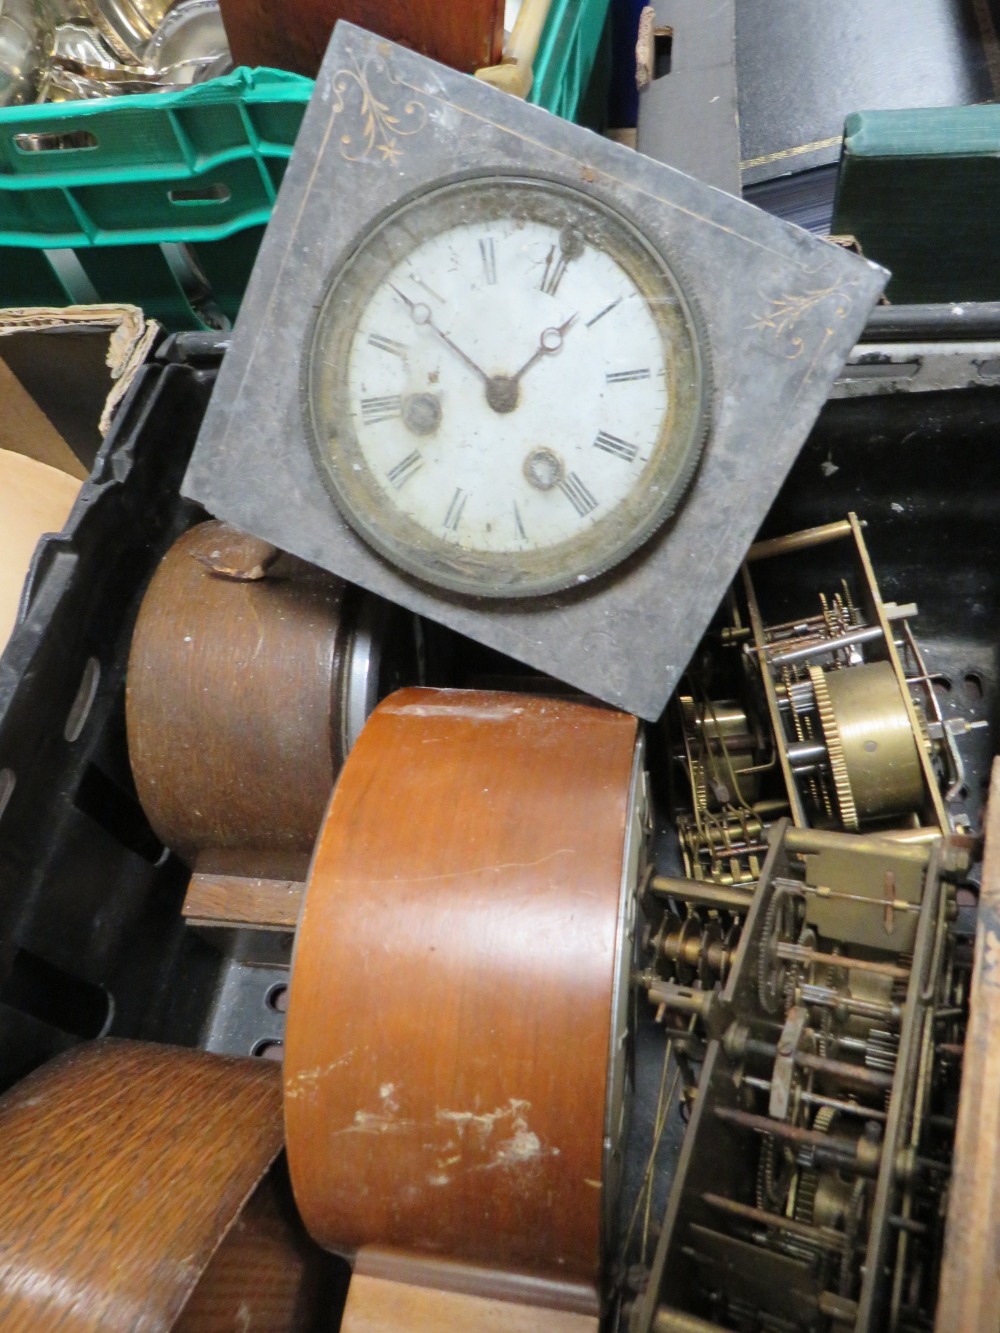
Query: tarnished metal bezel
341, 464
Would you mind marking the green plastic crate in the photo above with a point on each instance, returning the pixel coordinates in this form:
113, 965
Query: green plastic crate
159, 200
572, 64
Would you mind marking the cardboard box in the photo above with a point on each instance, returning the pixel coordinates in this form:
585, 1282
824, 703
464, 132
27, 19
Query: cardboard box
62, 375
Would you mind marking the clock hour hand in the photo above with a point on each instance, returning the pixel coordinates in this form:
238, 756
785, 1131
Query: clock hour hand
421, 314
550, 342
503, 391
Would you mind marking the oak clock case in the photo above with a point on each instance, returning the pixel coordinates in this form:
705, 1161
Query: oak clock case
506, 388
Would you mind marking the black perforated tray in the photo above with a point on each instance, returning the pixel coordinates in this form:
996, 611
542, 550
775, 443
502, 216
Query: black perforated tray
91, 937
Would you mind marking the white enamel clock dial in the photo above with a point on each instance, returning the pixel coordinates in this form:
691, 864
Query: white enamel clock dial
505, 388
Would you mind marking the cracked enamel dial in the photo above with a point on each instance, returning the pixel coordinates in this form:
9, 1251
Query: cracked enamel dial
506, 388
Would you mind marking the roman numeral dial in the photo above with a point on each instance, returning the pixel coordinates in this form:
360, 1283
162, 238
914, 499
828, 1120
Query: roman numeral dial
456, 506
577, 493
404, 469
488, 254
496, 388
627, 376
389, 345
617, 448
384, 408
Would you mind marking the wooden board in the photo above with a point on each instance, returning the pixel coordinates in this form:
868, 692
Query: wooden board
379, 1305
237, 901
460, 930
293, 34
969, 1295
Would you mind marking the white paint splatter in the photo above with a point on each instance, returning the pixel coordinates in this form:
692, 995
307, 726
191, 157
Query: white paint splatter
376, 1122
387, 1092
485, 1122
520, 1145
306, 1081
524, 1146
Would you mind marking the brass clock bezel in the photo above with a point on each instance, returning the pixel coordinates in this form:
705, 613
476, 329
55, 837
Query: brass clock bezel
344, 469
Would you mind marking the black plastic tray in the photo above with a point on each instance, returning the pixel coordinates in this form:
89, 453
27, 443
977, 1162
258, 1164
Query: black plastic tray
91, 936
91, 939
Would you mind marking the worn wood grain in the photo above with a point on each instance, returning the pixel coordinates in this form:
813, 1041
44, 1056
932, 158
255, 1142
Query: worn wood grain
450, 1007
267, 1276
495, 1284
969, 1295
232, 700
235, 900
378, 1305
122, 1167
293, 34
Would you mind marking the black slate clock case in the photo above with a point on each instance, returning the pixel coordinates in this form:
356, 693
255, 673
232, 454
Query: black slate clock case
384, 124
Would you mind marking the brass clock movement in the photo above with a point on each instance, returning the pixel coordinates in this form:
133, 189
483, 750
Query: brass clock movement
515, 377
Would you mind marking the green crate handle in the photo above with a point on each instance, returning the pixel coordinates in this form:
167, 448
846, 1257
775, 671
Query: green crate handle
159, 200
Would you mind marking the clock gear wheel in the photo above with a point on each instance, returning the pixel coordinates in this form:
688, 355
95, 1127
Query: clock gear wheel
780, 927
808, 1184
873, 747
922, 727
834, 748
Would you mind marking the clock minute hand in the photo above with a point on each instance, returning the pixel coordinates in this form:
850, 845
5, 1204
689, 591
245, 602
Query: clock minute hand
422, 315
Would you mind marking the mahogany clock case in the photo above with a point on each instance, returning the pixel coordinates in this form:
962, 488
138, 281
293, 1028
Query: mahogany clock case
293, 34
91, 934
439, 1118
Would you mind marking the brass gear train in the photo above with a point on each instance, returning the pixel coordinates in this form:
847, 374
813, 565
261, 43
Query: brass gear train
834, 748
871, 747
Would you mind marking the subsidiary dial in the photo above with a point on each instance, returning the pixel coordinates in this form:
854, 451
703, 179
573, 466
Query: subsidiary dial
506, 389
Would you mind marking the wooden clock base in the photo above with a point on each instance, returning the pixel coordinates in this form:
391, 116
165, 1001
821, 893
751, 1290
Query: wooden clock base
378, 1304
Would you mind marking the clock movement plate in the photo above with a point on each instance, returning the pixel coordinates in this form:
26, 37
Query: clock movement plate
774, 313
